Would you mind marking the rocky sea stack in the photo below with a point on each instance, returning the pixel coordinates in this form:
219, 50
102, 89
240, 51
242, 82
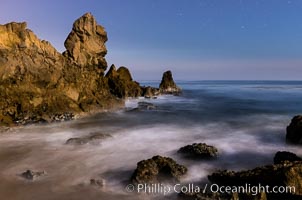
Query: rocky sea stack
38, 84
167, 85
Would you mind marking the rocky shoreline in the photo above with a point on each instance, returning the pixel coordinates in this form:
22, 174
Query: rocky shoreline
39, 84
285, 173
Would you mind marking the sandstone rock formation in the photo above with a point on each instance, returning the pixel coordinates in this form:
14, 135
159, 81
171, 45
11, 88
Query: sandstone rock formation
158, 169
294, 130
37, 82
199, 151
121, 83
85, 44
167, 85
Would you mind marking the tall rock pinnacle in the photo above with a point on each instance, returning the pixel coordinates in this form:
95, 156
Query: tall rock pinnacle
85, 44
167, 85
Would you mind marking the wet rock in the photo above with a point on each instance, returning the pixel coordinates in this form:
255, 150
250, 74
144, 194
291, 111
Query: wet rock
93, 138
285, 156
199, 151
150, 92
31, 175
167, 85
97, 182
143, 106
158, 169
62, 117
294, 130
287, 174
121, 83
146, 106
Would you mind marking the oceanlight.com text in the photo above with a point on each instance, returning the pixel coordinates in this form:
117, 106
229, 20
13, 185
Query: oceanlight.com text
162, 189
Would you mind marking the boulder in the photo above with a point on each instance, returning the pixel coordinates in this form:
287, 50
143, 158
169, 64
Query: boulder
294, 130
146, 106
121, 83
167, 85
285, 156
32, 175
287, 174
92, 138
158, 169
199, 151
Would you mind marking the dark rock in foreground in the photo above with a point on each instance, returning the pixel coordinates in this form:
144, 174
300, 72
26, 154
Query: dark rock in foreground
31, 175
294, 130
158, 169
93, 138
167, 85
285, 174
199, 151
285, 156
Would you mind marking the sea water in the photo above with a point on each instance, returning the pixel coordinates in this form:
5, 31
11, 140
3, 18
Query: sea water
245, 120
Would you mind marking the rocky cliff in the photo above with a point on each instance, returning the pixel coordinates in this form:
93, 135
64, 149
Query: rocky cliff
38, 83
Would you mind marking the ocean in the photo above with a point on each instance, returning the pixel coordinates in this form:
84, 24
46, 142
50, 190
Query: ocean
245, 120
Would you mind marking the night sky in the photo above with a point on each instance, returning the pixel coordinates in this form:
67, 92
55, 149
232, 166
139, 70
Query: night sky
196, 39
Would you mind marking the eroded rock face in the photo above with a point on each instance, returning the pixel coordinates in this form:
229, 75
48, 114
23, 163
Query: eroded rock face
199, 151
294, 130
121, 83
158, 169
85, 45
167, 85
37, 83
